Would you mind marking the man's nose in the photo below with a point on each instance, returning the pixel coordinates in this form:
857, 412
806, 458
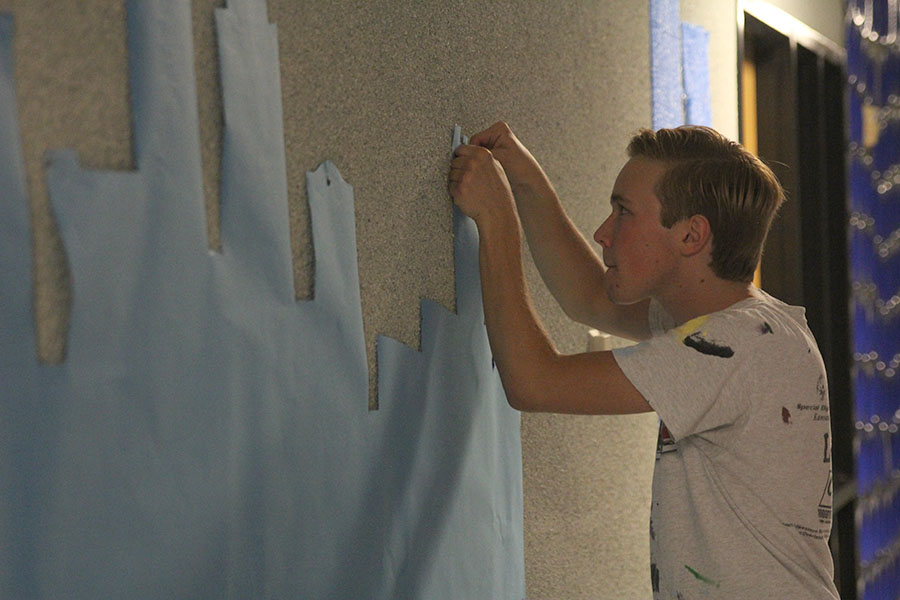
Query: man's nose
601, 236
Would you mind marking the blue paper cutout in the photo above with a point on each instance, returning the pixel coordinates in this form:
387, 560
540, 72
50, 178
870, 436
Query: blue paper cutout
695, 61
208, 436
679, 68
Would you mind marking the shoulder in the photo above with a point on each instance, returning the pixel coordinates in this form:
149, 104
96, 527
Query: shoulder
778, 324
754, 328
753, 318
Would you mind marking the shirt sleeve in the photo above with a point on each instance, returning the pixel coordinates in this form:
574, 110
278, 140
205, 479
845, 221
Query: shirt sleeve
682, 373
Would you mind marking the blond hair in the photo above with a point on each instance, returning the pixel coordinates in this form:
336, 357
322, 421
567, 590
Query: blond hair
710, 175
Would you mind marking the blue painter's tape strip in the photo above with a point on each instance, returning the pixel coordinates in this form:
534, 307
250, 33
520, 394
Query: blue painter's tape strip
695, 64
665, 64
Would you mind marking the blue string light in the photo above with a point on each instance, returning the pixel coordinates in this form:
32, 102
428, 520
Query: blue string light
873, 70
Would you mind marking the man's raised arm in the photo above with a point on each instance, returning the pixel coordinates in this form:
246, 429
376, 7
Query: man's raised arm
535, 376
568, 265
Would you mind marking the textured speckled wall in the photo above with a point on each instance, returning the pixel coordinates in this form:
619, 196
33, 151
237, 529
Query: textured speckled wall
376, 87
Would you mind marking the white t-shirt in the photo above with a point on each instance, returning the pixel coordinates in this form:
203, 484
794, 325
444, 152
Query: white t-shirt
742, 491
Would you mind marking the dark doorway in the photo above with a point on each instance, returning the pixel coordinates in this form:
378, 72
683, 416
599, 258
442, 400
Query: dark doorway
793, 115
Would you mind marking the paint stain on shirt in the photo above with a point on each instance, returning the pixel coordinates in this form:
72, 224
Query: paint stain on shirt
701, 344
700, 577
693, 325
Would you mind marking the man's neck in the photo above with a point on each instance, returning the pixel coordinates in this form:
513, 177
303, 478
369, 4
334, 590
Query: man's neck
703, 296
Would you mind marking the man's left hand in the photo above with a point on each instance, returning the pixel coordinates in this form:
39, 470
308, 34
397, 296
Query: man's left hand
479, 186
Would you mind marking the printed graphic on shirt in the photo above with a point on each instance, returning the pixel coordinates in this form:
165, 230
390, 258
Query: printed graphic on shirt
818, 411
665, 442
765, 328
824, 512
825, 503
785, 415
819, 533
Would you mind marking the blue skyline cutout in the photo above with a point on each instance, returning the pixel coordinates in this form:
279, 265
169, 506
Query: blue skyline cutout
208, 436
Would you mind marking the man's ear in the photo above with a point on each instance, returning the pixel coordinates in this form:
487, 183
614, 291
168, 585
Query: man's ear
696, 235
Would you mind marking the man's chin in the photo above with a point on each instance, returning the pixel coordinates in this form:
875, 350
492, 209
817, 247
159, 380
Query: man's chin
620, 298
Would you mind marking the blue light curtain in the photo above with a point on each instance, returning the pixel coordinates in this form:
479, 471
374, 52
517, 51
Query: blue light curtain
873, 68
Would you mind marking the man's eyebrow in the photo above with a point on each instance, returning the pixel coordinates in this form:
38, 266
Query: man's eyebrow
617, 199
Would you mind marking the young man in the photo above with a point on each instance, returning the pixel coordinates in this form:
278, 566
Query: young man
741, 502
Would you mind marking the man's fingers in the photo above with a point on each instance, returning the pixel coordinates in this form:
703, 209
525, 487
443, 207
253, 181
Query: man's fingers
453, 188
485, 139
471, 163
470, 159
458, 167
463, 150
490, 136
482, 138
471, 150
468, 152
